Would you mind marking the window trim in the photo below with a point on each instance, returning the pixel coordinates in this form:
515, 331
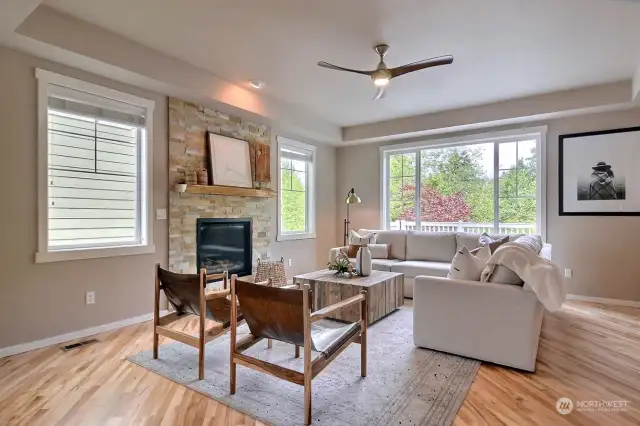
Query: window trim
44, 254
539, 133
310, 192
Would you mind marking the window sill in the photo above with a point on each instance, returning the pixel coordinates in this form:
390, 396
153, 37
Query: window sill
92, 253
291, 237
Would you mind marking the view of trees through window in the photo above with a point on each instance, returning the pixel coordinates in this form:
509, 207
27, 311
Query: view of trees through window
293, 195
457, 188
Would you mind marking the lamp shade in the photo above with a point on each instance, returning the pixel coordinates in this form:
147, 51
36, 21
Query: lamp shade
352, 198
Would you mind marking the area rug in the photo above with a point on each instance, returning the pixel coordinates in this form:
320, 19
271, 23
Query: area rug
405, 385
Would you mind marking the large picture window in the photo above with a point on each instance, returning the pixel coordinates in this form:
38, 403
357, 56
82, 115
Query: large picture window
485, 183
296, 218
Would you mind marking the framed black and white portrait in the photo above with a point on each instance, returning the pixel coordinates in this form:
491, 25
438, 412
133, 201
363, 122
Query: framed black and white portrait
600, 173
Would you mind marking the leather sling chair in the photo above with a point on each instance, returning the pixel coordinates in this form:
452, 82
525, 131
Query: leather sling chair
187, 294
284, 314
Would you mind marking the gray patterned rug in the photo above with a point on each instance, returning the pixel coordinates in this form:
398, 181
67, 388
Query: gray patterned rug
405, 385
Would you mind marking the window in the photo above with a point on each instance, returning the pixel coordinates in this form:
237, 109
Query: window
485, 183
94, 184
296, 198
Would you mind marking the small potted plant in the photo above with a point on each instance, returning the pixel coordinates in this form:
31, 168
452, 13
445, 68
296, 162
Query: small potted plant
341, 264
181, 186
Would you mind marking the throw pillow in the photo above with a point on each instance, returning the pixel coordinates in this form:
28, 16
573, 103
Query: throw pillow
352, 250
355, 238
532, 242
466, 266
493, 243
503, 275
379, 251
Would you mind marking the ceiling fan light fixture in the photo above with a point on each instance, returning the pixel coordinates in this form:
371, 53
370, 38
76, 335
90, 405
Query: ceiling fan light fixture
381, 81
382, 75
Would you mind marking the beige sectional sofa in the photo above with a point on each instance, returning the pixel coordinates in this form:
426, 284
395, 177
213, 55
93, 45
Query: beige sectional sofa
492, 322
416, 253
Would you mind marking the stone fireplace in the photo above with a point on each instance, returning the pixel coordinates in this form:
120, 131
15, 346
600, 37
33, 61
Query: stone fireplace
188, 124
224, 245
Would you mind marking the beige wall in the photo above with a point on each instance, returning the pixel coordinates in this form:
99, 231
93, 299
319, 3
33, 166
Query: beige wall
602, 251
44, 300
47, 299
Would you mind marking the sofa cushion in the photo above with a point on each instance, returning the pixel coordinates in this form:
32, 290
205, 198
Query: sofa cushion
413, 268
379, 251
396, 240
431, 246
468, 240
380, 264
384, 264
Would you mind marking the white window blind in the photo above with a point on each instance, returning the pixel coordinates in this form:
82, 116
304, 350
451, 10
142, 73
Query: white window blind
94, 151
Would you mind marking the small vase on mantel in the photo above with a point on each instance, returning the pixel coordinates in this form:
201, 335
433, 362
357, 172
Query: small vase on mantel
203, 177
363, 261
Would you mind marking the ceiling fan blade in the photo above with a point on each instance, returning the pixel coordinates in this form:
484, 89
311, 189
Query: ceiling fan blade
337, 68
380, 93
420, 65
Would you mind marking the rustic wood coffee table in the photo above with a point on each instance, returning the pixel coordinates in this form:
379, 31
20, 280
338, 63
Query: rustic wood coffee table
385, 292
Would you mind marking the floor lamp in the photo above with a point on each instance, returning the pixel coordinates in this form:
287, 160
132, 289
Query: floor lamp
352, 198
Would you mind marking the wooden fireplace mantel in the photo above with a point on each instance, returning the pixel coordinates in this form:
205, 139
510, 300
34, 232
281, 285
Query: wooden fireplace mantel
230, 191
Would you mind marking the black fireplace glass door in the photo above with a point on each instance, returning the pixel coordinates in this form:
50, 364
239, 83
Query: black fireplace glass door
224, 245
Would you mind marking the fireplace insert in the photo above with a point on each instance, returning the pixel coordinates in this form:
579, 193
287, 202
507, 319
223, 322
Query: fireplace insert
224, 245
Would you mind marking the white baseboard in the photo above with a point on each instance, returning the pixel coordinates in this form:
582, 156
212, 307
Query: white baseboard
74, 335
604, 301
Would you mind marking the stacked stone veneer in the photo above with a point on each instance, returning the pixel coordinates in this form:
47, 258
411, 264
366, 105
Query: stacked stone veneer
188, 124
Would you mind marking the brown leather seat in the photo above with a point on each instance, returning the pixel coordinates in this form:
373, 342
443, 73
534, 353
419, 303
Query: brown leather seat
276, 313
183, 292
272, 312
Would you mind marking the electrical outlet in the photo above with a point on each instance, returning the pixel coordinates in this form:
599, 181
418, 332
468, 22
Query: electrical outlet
568, 272
91, 297
289, 262
161, 214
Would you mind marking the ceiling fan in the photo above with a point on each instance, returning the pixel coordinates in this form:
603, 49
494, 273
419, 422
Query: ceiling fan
382, 75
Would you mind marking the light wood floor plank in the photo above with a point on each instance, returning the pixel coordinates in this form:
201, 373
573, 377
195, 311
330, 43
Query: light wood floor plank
587, 352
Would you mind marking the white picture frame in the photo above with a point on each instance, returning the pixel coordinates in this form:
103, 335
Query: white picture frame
229, 161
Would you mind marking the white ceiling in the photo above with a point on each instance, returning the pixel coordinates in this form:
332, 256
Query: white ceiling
504, 49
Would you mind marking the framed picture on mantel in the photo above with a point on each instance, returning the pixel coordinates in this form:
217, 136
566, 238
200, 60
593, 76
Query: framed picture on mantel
229, 161
599, 173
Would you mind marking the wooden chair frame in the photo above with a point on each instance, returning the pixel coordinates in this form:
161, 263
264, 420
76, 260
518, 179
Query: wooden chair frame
204, 336
311, 367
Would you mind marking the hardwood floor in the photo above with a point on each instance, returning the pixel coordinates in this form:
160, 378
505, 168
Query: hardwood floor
587, 352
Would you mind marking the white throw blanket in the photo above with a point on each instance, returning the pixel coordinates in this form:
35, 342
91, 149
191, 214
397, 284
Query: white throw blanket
542, 275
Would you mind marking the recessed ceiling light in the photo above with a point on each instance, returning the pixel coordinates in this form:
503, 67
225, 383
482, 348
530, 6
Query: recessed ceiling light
257, 84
